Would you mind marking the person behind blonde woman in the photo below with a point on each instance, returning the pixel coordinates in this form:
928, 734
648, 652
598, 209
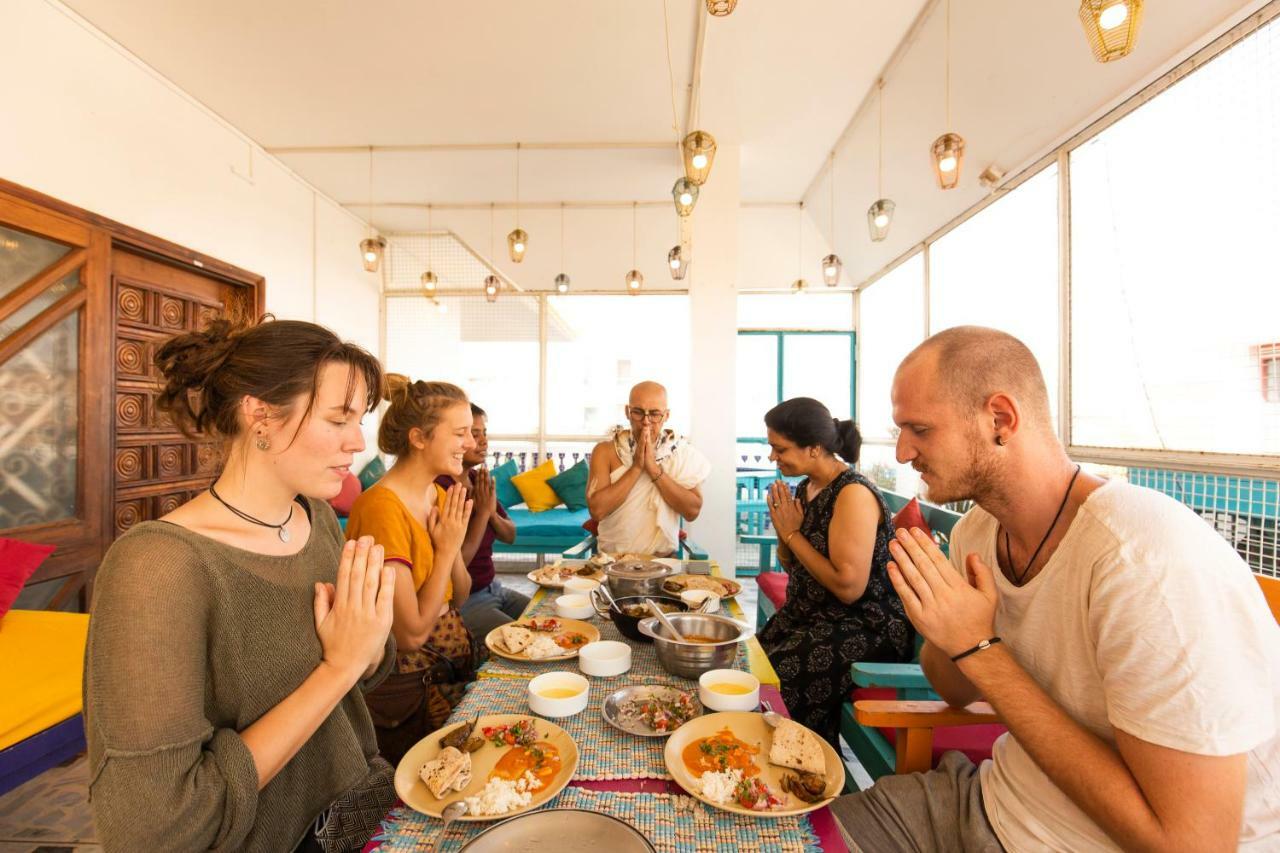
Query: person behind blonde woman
644, 479
421, 527
490, 604
231, 638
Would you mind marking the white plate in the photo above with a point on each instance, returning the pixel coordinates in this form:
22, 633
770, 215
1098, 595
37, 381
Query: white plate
567, 626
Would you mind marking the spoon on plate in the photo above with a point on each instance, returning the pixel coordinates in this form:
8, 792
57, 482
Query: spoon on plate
662, 617
772, 717
452, 812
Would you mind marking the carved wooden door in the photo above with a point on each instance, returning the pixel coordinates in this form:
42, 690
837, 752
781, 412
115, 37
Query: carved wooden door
156, 467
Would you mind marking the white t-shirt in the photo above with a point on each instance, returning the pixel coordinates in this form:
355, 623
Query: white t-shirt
1146, 620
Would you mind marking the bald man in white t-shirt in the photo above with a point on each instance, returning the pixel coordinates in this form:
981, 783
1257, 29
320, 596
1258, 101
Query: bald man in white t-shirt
1137, 664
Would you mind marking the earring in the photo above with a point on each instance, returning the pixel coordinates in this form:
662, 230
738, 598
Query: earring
1000, 440
262, 442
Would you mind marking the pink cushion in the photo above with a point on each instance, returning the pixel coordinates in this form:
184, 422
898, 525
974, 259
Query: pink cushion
974, 741
774, 586
351, 490
591, 526
18, 561
911, 516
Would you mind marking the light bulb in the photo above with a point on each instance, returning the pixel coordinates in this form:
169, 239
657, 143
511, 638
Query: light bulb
881, 220
370, 257
519, 247
562, 287
686, 198
699, 161
1113, 16
675, 263
947, 164
830, 270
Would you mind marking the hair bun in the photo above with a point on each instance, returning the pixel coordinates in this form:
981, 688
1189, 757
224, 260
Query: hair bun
394, 385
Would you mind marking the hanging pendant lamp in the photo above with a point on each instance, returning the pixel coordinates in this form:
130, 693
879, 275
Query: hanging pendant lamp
698, 152
371, 248
428, 278
492, 284
1111, 26
947, 150
634, 279
518, 239
685, 193
799, 286
678, 262
720, 8
562, 280
880, 213
831, 264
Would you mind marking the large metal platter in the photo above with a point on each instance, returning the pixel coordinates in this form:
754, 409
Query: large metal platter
564, 831
613, 706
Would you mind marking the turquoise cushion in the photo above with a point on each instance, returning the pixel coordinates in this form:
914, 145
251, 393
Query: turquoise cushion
571, 485
508, 494
372, 473
559, 523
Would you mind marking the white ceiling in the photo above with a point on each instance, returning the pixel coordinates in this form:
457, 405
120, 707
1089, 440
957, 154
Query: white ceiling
779, 78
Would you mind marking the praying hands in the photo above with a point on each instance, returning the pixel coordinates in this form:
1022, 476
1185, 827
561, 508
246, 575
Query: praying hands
952, 613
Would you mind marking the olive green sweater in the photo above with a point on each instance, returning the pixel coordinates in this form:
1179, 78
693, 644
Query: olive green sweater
190, 642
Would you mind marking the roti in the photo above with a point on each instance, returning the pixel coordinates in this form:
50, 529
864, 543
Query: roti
796, 747
450, 770
515, 638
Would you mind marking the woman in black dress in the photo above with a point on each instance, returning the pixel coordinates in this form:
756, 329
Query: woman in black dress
833, 541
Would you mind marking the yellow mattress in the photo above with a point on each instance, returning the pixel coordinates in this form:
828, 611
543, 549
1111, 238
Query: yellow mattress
43, 655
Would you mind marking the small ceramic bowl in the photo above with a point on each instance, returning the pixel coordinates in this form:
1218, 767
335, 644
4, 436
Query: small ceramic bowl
574, 606
729, 690
582, 586
696, 597
604, 658
559, 694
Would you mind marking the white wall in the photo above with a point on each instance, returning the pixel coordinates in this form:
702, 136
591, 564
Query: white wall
85, 122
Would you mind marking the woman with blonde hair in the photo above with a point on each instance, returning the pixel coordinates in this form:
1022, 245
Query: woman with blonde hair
231, 638
421, 527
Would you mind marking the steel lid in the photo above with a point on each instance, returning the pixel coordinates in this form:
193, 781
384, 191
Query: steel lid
638, 570
561, 830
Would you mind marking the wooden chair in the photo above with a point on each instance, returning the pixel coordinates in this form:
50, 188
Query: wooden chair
919, 723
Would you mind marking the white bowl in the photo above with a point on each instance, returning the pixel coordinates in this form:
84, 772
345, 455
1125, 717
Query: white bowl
718, 701
604, 658
559, 706
582, 586
695, 597
574, 606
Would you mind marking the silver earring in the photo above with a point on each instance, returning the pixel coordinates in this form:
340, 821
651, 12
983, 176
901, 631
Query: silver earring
263, 443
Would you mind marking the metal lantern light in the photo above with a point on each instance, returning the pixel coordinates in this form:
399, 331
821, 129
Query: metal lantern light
831, 266
635, 279
678, 262
371, 249
699, 152
492, 284
948, 154
517, 242
685, 193
879, 218
562, 283
1111, 26
720, 8
429, 281
799, 286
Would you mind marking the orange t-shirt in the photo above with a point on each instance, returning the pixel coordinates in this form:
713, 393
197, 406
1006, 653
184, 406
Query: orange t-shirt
380, 513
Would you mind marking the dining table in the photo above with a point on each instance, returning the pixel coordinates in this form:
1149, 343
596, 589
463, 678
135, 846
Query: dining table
620, 774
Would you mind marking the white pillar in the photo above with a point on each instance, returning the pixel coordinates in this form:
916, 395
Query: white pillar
713, 310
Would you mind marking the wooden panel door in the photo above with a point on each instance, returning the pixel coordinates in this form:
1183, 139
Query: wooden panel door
156, 468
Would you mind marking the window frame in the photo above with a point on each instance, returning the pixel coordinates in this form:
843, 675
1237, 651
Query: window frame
779, 390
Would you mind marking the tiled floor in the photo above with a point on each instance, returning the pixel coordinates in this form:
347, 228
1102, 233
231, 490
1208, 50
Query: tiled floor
50, 814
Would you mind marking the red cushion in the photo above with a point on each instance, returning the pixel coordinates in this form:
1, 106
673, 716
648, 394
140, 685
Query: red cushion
774, 586
974, 741
351, 490
591, 526
911, 516
18, 561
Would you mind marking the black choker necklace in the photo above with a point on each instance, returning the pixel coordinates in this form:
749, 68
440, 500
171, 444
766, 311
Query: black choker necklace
1018, 576
280, 529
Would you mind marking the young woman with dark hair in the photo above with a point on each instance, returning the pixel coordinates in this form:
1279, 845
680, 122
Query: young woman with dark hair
427, 428
490, 604
833, 541
231, 638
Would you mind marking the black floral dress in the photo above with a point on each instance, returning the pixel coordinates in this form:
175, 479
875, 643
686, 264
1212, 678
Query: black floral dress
813, 639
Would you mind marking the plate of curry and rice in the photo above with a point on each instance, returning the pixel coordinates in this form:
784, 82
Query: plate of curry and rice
497, 765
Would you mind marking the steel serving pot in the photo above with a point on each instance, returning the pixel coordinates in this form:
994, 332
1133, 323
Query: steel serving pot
692, 659
636, 577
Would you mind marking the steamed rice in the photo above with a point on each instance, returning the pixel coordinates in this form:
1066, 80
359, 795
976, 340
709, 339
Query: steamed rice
500, 796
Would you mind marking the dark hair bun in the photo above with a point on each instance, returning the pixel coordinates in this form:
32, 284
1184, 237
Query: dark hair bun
808, 423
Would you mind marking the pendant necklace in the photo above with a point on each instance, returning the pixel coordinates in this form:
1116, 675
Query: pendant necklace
1018, 576
280, 529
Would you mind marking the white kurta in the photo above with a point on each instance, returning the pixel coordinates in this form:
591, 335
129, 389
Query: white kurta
644, 523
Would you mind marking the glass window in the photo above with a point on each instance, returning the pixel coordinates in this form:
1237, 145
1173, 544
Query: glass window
757, 380
1174, 215
600, 346
823, 311
489, 349
819, 366
23, 255
890, 325
1000, 269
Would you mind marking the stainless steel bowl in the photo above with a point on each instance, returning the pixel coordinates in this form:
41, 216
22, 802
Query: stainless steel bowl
692, 659
636, 577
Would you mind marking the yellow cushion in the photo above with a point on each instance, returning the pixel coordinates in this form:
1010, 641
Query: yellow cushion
43, 654
538, 496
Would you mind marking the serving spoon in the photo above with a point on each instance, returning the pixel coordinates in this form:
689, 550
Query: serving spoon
666, 623
772, 717
452, 812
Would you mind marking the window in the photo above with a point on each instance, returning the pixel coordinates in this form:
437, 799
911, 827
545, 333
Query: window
1269, 358
1000, 269
890, 325
600, 346
776, 366
1174, 213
